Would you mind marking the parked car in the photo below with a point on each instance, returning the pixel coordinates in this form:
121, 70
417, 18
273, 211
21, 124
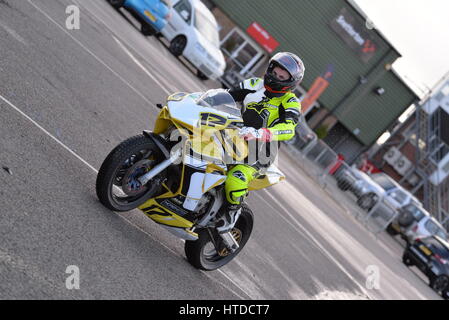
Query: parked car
152, 14
193, 33
379, 185
348, 178
431, 256
427, 226
408, 215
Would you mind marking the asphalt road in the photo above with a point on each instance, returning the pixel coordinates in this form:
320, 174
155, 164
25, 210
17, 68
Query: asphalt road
67, 97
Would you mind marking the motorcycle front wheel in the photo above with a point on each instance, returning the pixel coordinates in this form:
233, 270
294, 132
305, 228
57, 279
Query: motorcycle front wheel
117, 185
202, 253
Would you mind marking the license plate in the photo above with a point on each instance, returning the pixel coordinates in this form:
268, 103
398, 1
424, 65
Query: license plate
149, 15
425, 250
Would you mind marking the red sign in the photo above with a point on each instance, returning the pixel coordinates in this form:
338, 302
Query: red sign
262, 37
314, 93
319, 85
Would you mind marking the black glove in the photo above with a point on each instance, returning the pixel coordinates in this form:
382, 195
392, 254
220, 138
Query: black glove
240, 94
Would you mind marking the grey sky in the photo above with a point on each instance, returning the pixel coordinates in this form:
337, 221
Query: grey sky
419, 30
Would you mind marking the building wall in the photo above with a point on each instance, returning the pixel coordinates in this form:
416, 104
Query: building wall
304, 27
368, 114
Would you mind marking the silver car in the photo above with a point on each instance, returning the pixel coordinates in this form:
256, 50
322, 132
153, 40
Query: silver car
426, 227
408, 215
379, 185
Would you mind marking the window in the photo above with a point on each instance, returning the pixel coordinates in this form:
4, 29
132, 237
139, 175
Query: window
446, 167
439, 96
398, 195
184, 6
416, 212
167, 3
243, 57
385, 182
207, 28
433, 228
440, 233
440, 152
445, 90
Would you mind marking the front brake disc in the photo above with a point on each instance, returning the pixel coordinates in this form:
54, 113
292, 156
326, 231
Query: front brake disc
131, 186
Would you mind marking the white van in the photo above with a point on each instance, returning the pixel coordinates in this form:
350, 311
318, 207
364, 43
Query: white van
193, 33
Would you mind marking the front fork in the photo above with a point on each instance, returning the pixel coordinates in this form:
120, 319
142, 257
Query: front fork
170, 158
225, 238
224, 243
160, 167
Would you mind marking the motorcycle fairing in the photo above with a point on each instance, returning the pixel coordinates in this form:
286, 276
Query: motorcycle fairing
203, 173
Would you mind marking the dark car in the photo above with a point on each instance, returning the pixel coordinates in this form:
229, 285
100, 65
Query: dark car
431, 256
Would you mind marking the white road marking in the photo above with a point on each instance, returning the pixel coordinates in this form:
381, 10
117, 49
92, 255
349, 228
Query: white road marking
140, 94
122, 217
337, 295
148, 73
164, 86
14, 34
114, 34
47, 133
317, 243
91, 53
74, 153
18, 264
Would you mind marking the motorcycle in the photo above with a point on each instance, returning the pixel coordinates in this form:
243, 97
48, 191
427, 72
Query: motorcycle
176, 173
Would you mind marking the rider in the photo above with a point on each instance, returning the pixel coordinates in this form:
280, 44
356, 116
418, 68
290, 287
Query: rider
270, 112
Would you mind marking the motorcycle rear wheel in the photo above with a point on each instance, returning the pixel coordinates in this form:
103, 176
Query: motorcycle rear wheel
117, 186
202, 253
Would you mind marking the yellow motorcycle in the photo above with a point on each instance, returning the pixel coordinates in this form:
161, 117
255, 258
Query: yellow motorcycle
176, 173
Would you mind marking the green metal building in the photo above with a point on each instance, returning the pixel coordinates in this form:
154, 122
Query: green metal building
364, 96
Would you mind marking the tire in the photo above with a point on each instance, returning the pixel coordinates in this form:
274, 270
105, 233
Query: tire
125, 163
391, 231
406, 260
445, 294
366, 201
405, 219
439, 283
177, 45
344, 186
195, 250
117, 4
147, 30
201, 75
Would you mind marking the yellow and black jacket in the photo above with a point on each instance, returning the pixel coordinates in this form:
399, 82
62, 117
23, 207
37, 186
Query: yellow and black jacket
279, 114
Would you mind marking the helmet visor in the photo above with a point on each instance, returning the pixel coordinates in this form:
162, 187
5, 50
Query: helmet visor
289, 64
280, 73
